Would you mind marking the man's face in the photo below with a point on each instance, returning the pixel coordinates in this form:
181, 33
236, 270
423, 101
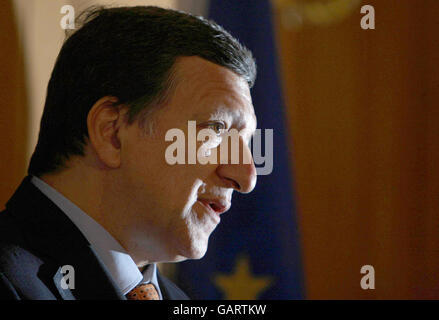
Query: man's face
171, 210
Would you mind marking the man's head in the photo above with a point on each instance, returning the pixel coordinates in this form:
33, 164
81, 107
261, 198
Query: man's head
119, 84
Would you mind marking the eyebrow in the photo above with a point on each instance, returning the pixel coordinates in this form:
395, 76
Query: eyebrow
225, 112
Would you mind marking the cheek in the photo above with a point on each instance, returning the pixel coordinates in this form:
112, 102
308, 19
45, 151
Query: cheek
170, 189
143, 160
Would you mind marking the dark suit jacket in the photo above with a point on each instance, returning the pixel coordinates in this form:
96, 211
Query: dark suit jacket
37, 239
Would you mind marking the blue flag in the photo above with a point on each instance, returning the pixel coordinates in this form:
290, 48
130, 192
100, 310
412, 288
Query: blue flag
254, 253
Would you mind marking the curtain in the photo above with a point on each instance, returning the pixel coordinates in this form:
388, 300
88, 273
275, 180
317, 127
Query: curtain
13, 111
362, 106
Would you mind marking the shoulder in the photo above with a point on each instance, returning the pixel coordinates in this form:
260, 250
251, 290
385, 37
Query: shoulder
11, 237
10, 255
19, 266
12, 240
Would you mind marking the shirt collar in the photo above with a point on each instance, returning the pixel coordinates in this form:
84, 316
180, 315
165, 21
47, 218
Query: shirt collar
115, 258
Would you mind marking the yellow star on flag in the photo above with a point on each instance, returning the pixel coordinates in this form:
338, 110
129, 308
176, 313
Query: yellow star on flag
241, 284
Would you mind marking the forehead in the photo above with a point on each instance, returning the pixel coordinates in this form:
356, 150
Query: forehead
204, 88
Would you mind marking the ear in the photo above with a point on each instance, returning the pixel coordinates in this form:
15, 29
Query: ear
103, 123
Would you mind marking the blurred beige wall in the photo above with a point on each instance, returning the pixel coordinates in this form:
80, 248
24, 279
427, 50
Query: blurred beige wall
41, 38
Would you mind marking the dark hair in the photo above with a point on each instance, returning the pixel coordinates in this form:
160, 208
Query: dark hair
127, 53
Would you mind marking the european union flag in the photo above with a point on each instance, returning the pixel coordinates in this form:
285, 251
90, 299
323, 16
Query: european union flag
254, 253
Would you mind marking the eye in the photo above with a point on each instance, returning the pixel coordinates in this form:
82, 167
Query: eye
218, 127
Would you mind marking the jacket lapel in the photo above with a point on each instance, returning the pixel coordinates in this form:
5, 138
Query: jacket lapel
169, 290
50, 233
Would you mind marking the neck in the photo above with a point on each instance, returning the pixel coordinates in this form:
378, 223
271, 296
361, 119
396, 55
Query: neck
97, 192
80, 186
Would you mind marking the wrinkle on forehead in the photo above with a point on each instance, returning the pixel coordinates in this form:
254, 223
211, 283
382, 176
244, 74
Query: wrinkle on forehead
213, 91
200, 73
207, 80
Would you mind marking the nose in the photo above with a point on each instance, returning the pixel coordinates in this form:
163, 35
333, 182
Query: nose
240, 176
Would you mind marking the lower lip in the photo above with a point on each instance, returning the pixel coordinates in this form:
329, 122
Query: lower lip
213, 212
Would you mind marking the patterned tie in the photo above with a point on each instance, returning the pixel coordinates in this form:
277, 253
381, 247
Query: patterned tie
145, 291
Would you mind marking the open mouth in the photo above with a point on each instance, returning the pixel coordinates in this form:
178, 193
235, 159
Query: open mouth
218, 209
217, 206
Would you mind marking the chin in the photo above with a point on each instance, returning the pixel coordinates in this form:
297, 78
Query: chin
193, 251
